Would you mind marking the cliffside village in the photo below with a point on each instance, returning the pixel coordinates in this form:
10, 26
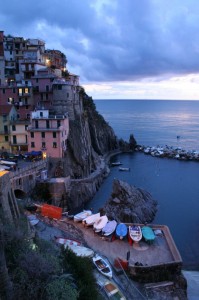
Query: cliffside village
36, 91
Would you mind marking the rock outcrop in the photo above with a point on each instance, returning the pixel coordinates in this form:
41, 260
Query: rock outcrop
90, 137
130, 204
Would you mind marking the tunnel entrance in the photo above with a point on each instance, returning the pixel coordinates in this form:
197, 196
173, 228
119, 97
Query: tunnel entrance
19, 194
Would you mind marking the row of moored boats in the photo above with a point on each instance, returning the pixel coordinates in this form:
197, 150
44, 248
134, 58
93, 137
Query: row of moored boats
106, 227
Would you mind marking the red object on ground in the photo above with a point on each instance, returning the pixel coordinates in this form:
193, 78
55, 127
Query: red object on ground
51, 211
120, 263
130, 240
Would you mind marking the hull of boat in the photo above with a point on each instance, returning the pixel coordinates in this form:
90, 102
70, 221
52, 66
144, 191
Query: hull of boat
68, 242
90, 220
81, 251
135, 233
33, 220
113, 291
109, 228
148, 234
121, 230
124, 169
82, 215
99, 225
102, 266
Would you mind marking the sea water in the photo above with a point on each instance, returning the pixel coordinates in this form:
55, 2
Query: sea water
173, 183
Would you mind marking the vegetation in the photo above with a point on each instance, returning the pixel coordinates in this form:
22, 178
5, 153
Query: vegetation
38, 270
82, 271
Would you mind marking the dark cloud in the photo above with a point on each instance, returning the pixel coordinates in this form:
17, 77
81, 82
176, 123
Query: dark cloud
112, 40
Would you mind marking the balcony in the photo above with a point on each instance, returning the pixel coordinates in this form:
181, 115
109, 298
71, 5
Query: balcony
34, 129
18, 144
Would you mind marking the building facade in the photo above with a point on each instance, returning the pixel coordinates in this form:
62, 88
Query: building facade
48, 133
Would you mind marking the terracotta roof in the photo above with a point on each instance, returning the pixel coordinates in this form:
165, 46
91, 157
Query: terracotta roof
5, 109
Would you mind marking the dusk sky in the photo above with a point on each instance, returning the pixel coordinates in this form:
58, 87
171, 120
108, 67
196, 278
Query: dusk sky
129, 49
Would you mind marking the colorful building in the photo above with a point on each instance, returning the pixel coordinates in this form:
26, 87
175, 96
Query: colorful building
48, 133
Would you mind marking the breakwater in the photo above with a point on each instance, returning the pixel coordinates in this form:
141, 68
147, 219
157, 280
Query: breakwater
169, 152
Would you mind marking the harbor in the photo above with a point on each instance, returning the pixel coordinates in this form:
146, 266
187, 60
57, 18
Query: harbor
169, 152
160, 255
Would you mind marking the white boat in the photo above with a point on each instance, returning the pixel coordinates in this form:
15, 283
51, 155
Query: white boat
81, 250
90, 220
117, 163
82, 215
102, 266
109, 228
67, 242
100, 223
124, 169
113, 291
135, 233
33, 220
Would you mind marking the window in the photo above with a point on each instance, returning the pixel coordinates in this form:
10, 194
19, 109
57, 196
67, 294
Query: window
13, 90
41, 113
14, 139
28, 116
4, 91
5, 129
43, 145
47, 88
43, 134
59, 87
54, 145
32, 145
67, 95
46, 96
54, 135
20, 91
18, 116
32, 134
36, 124
4, 118
13, 128
6, 138
26, 127
10, 100
26, 90
36, 80
26, 106
47, 124
26, 101
58, 123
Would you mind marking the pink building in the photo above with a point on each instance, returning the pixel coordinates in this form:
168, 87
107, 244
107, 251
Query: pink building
48, 133
42, 83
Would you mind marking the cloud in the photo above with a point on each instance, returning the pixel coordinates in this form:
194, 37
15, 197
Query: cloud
112, 41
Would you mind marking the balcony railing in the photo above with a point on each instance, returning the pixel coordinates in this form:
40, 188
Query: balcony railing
18, 144
34, 129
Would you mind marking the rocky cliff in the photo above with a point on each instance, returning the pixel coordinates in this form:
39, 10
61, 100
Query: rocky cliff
90, 137
130, 204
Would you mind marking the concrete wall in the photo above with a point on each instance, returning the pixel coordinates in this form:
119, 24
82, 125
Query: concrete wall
7, 199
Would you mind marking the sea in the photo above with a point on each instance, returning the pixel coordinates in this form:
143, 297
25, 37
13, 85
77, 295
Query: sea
174, 184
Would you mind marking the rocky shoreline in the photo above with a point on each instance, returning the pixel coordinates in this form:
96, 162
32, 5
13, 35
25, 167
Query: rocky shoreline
169, 152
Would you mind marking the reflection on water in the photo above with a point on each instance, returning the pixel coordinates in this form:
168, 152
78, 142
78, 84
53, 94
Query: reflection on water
154, 122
